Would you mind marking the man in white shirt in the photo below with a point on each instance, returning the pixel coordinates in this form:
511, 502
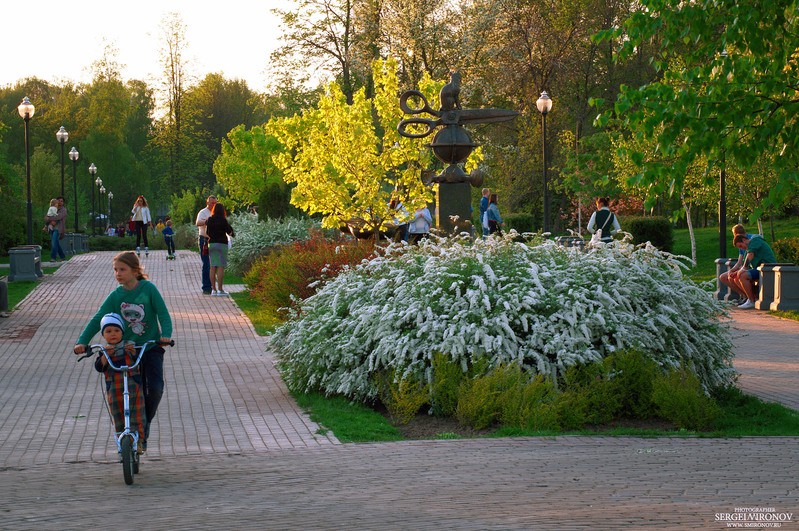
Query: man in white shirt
202, 241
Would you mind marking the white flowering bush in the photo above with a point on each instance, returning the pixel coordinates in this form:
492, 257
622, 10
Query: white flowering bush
538, 305
254, 238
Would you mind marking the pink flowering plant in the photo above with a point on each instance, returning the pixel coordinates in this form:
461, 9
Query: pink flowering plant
533, 303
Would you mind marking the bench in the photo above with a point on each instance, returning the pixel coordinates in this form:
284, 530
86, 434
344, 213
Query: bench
25, 262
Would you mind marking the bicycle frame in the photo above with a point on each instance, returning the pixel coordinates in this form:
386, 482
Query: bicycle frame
125, 370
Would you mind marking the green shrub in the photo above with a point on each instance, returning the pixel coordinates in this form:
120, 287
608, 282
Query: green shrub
274, 201
295, 270
787, 250
679, 398
656, 230
530, 405
521, 222
444, 384
632, 376
591, 395
402, 396
479, 399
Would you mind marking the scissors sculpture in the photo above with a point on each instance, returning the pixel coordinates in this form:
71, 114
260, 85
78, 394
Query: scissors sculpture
452, 143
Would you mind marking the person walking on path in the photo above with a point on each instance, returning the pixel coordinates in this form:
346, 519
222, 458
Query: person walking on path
58, 230
605, 220
218, 230
494, 219
140, 215
145, 317
757, 252
202, 242
483, 207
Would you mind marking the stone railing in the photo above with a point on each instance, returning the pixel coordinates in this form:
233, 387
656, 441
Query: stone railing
778, 288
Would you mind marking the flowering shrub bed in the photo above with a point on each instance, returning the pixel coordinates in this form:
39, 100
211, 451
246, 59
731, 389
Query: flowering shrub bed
294, 271
255, 238
543, 307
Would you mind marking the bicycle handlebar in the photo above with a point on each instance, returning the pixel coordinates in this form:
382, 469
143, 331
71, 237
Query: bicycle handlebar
91, 350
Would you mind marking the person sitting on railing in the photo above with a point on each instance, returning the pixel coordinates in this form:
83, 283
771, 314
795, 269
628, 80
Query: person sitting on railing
757, 252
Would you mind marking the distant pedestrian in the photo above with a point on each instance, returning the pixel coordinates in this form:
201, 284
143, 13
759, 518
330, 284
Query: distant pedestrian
51, 213
202, 242
58, 230
419, 228
605, 220
494, 219
484, 201
169, 235
140, 215
219, 231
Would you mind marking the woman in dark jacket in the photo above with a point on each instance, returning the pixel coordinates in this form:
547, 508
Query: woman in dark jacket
218, 230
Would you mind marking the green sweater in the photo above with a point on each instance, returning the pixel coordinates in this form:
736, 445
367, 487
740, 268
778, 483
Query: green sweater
143, 310
761, 251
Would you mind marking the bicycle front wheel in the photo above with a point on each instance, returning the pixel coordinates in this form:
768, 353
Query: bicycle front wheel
127, 460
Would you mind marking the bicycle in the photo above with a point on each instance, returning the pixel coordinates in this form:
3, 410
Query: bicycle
127, 440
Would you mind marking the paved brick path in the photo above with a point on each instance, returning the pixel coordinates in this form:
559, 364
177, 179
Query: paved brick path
230, 449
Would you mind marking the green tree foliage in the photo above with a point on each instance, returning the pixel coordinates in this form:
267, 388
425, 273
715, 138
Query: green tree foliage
343, 169
727, 88
245, 166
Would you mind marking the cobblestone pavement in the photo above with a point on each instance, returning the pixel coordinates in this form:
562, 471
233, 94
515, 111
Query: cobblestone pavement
231, 450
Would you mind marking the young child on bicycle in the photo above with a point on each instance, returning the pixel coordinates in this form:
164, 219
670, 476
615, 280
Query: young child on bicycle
121, 353
145, 317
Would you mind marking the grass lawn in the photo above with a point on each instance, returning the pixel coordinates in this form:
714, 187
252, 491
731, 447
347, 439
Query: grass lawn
19, 290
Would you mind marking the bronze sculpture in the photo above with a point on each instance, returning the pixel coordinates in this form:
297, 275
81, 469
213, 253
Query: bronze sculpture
451, 144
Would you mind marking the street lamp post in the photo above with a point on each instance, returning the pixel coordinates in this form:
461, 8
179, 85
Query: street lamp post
62, 136
100, 205
110, 197
723, 209
92, 172
73, 156
544, 104
99, 183
26, 111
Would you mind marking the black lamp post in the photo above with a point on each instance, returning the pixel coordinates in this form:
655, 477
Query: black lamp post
62, 136
101, 204
26, 111
110, 197
723, 209
73, 156
544, 104
92, 172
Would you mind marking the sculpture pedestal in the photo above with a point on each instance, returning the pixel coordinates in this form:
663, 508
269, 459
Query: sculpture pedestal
454, 199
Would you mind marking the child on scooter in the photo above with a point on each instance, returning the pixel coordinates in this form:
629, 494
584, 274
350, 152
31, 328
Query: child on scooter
121, 353
169, 235
146, 317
